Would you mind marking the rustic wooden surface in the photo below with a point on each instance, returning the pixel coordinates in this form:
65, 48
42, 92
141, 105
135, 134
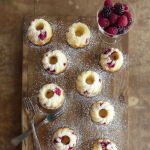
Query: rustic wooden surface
87, 58
11, 46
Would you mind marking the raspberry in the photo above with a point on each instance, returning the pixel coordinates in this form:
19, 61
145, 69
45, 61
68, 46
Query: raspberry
121, 30
64, 64
107, 51
106, 12
113, 18
104, 144
99, 15
112, 9
48, 69
87, 40
125, 7
100, 80
111, 65
57, 91
103, 22
108, 3
101, 104
118, 9
123, 21
103, 123
127, 14
86, 92
55, 141
112, 30
51, 71
70, 148
129, 23
42, 35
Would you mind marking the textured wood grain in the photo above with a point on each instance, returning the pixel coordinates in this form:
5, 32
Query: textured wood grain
11, 32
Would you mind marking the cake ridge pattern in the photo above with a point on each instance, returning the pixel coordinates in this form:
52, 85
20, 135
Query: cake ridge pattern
110, 64
58, 136
56, 100
78, 40
59, 66
104, 144
97, 107
86, 89
42, 35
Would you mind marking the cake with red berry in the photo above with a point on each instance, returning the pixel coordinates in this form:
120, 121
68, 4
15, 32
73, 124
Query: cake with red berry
78, 35
89, 83
51, 96
55, 62
114, 19
102, 112
39, 32
64, 139
104, 144
111, 59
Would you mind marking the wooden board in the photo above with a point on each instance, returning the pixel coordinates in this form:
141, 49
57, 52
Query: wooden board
76, 106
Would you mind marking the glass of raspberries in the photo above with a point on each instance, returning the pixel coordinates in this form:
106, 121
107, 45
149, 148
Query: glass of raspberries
114, 18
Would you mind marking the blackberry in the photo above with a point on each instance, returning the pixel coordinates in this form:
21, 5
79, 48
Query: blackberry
121, 29
118, 9
106, 12
129, 23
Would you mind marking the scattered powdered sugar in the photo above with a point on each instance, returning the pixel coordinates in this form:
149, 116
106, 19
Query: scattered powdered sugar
76, 106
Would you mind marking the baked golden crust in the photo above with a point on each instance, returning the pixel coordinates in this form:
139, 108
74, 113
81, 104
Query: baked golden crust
97, 107
44, 101
56, 67
57, 135
33, 33
78, 41
119, 62
113, 145
89, 90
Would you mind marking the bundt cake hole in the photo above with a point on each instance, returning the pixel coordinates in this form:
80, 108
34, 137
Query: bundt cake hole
79, 31
40, 26
53, 60
49, 94
114, 56
65, 140
103, 113
90, 80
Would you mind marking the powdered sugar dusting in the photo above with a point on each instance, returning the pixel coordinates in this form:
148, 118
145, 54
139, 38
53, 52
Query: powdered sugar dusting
76, 106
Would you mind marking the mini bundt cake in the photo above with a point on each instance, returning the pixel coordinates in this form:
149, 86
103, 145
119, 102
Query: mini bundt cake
51, 96
102, 112
55, 62
78, 35
39, 32
111, 59
89, 83
64, 139
104, 144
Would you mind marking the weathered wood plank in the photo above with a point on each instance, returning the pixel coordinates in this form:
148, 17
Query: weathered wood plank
77, 107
